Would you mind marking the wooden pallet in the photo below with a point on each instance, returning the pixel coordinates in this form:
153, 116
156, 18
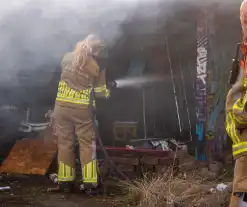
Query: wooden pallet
30, 156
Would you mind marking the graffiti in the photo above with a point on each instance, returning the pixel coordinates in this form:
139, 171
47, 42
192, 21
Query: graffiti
201, 83
216, 84
199, 131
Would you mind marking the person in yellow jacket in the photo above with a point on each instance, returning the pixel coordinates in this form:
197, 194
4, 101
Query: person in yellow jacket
236, 120
73, 115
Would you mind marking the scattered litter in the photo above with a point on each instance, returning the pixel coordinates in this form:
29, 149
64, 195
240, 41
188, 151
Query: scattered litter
183, 147
185, 175
178, 145
221, 187
82, 187
129, 147
6, 188
53, 177
163, 143
213, 190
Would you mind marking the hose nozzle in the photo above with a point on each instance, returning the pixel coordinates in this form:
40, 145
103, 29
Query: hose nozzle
111, 84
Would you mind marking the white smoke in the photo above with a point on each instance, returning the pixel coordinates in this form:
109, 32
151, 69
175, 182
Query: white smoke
34, 34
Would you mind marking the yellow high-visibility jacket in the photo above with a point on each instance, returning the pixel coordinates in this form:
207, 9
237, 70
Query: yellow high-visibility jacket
75, 90
236, 116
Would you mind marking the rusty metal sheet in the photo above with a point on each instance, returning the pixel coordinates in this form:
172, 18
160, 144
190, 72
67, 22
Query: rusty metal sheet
30, 156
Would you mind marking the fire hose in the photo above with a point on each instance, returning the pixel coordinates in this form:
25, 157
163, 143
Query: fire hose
95, 126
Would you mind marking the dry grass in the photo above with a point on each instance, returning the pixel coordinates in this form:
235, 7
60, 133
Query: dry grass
160, 190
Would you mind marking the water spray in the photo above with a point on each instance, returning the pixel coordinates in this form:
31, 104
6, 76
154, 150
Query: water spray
140, 82
136, 82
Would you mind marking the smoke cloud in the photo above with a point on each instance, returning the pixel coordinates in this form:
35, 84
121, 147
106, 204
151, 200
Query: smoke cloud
36, 33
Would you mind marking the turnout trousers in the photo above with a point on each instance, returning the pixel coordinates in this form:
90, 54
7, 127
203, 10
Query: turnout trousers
239, 181
69, 124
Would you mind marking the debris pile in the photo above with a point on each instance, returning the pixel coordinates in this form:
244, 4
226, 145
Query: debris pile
187, 189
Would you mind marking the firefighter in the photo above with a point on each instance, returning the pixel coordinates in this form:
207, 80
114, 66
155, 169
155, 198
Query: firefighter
73, 115
236, 120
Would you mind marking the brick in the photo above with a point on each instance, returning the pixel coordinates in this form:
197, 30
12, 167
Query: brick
168, 161
125, 160
132, 175
145, 169
161, 169
128, 171
184, 157
187, 166
126, 168
149, 160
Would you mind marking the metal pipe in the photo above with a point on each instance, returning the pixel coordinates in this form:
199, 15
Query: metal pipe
25, 128
185, 96
35, 127
27, 115
173, 84
144, 112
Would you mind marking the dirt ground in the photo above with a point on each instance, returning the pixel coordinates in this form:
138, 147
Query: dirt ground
29, 191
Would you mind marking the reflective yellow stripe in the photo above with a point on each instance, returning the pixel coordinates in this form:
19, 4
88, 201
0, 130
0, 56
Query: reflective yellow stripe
67, 94
90, 172
239, 144
107, 93
231, 128
234, 130
240, 120
65, 173
239, 148
74, 101
245, 82
239, 108
240, 103
95, 172
228, 128
102, 89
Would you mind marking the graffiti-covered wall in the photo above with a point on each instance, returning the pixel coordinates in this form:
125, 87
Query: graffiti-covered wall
223, 31
201, 86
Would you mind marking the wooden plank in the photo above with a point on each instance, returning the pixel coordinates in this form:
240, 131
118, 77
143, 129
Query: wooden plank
30, 156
